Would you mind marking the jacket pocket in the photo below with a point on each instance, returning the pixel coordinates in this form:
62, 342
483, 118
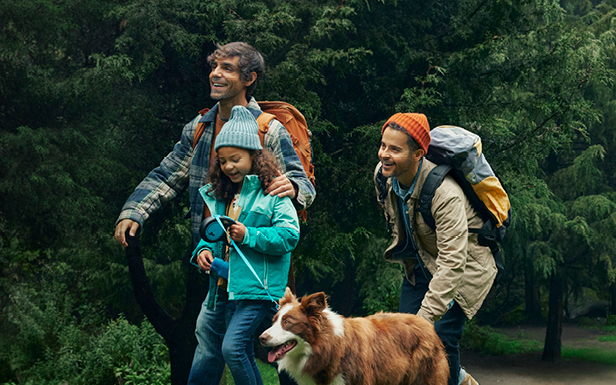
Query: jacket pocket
479, 254
257, 219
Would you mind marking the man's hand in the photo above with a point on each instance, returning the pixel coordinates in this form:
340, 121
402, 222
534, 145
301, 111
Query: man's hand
204, 260
237, 231
121, 228
281, 186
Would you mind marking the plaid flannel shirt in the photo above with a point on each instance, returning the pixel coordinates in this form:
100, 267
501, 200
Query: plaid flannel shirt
185, 166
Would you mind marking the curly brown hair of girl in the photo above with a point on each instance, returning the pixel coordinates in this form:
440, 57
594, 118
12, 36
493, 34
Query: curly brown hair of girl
264, 165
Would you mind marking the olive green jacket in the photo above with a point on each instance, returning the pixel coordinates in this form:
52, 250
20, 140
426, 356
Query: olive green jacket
461, 269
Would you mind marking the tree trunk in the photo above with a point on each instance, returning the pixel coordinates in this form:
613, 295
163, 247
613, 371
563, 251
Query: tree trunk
532, 297
552, 347
177, 333
613, 298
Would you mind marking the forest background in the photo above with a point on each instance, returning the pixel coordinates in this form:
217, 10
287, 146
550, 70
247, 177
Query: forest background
94, 93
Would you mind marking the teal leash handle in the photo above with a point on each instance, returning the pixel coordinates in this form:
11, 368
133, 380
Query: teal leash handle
247, 263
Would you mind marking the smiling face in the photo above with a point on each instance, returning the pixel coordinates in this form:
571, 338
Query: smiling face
235, 162
226, 81
397, 157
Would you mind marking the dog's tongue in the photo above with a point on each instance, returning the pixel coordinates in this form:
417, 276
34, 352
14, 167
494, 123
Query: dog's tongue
276, 353
279, 351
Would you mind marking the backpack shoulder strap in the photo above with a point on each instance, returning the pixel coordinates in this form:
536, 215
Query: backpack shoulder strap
200, 128
434, 179
264, 121
381, 183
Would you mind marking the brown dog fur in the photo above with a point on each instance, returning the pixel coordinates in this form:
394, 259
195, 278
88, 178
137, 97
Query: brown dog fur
382, 349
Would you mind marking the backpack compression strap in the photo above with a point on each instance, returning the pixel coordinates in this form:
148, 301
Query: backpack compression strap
381, 182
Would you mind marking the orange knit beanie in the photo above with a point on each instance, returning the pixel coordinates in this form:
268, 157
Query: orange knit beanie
415, 124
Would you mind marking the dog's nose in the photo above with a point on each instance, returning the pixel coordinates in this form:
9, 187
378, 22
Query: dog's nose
263, 338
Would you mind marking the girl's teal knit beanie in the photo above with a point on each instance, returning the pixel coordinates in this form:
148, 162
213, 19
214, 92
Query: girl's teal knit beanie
241, 130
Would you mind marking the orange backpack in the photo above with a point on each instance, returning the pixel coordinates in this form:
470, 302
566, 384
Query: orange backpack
296, 126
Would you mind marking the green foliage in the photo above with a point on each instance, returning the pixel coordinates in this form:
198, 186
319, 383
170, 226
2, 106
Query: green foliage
588, 178
587, 237
485, 340
149, 375
79, 354
380, 281
52, 325
426, 96
45, 319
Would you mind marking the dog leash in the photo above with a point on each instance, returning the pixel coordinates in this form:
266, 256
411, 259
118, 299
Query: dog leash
247, 263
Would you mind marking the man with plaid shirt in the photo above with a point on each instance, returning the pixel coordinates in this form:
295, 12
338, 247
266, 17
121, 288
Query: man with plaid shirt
235, 70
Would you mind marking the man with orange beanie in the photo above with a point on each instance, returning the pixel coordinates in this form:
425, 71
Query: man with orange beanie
447, 274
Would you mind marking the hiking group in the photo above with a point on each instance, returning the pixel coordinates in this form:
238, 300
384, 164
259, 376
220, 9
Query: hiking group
239, 161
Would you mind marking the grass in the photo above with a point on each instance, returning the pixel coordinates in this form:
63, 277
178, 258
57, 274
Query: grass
591, 355
595, 355
608, 338
487, 341
268, 374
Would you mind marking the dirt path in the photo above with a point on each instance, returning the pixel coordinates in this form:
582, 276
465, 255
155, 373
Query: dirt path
529, 369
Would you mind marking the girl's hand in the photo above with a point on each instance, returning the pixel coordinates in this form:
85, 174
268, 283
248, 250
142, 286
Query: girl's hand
204, 260
237, 231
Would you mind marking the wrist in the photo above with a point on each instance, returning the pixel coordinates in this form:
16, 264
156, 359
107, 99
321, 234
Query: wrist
245, 241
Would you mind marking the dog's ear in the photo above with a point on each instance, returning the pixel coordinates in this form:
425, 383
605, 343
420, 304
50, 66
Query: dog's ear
314, 303
288, 292
288, 297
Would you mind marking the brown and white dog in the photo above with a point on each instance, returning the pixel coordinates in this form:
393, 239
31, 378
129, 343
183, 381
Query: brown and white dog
317, 346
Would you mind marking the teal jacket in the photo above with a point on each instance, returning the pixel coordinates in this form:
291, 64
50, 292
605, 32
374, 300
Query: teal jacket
272, 232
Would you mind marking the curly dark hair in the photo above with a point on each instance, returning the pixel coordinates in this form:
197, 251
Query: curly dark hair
264, 165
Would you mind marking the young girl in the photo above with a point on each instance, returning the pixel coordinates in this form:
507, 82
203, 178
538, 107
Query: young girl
266, 231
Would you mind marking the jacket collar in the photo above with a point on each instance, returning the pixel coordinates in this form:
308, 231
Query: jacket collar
251, 183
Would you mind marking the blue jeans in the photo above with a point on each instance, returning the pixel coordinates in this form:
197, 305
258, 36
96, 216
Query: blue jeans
225, 334
449, 327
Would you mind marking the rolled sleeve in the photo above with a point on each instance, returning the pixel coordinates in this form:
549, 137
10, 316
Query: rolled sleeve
203, 245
